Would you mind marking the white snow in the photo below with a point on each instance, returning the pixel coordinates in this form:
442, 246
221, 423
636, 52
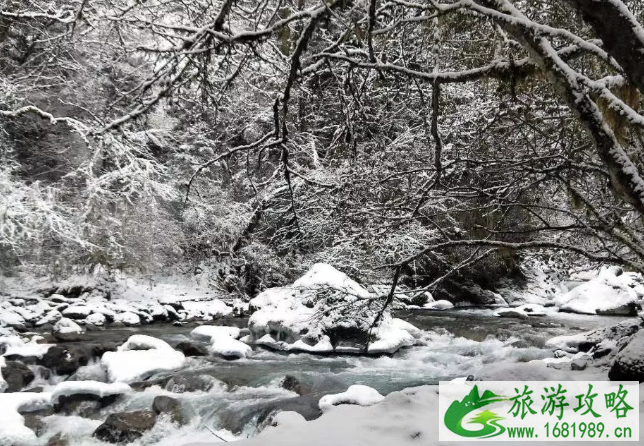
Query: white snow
606, 292
439, 305
97, 319
526, 310
287, 418
97, 388
140, 356
302, 317
51, 317
10, 318
207, 333
356, 394
127, 318
12, 429
206, 310
16, 346
223, 340
67, 326
230, 348
82, 311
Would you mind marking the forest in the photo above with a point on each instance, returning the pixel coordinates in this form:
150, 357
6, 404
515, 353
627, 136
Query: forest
342, 179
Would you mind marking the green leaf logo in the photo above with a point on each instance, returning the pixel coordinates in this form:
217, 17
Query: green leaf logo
458, 410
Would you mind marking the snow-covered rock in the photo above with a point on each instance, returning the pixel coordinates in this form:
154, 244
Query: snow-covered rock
97, 319
439, 305
223, 340
629, 362
356, 394
206, 310
609, 338
99, 389
523, 311
67, 330
287, 418
606, 294
128, 318
50, 317
139, 357
10, 318
324, 311
206, 333
77, 311
15, 346
12, 428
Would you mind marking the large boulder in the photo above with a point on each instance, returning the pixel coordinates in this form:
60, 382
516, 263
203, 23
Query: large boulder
63, 360
139, 357
607, 294
126, 427
325, 311
192, 383
17, 375
66, 330
191, 348
629, 363
599, 342
163, 404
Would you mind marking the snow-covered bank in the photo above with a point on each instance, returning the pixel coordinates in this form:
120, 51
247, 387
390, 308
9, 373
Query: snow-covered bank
409, 417
96, 300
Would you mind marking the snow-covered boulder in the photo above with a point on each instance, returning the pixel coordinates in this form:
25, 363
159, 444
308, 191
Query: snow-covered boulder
205, 310
78, 312
10, 318
95, 388
97, 319
324, 311
609, 338
51, 317
439, 305
206, 333
629, 362
606, 294
223, 341
356, 394
12, 428
523, 312
128, 318
139, 357
67, 330
15, 346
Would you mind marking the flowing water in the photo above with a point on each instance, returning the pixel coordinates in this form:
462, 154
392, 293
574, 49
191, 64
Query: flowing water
456, 343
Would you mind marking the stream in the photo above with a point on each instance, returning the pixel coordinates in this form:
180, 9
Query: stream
457, 343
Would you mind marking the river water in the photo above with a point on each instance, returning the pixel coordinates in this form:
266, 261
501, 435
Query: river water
456, 343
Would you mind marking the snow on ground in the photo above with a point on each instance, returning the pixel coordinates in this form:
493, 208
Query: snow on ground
98, 300
409, 417
139, 357
356, 394
324, 311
